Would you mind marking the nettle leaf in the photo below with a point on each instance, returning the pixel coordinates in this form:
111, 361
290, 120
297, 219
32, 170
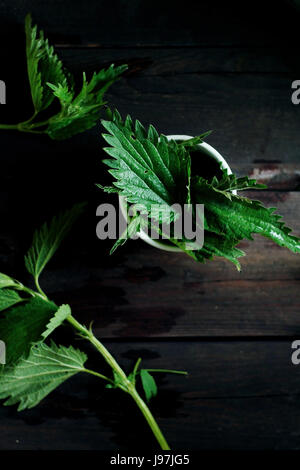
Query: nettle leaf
8, 298
107, 189
43, 66
81, 112
230, 182
215, 245
150, 171
22, 325
50, 83
149, 384
48, 238
194, 141
59, 317
238, 218
38, 374
6, 281
147, 169
132, 229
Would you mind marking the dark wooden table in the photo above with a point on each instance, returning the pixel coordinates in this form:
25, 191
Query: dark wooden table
222, 66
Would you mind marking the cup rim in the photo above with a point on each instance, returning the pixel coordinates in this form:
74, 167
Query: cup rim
209, 150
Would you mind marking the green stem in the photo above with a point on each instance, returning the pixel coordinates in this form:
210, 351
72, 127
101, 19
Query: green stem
21, 128
36, 280
92, 372
20, 286
30, 119
9, 126
135, 369
99, 346
20, 125
27, 126
168, 371
39, 124
124, 383
150, 420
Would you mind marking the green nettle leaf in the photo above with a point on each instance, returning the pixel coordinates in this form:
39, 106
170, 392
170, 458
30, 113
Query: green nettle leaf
240, 217
48, 238
216, 245
60, 316
81, 112
132, 229
149, 170
8, 298
34, 368
230, 182
38, 374
6, 281
107, 189
149, 385
23, 324
51, 83
43, 66
194, 141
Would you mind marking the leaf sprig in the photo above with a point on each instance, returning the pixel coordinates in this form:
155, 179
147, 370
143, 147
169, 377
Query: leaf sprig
150, 170
50, 81
35, 364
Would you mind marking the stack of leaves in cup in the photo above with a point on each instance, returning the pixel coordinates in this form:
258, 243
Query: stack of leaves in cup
150, 171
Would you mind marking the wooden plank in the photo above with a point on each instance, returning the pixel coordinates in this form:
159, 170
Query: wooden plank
174, 308
264, 259
238, 395
149, 61
174, 85
253, 117
275, 175
144, 292
190, 104
141, 291
134, 23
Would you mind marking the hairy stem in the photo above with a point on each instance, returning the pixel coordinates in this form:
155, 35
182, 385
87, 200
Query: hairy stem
123, 382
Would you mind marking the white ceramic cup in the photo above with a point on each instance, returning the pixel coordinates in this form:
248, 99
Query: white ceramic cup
206, 148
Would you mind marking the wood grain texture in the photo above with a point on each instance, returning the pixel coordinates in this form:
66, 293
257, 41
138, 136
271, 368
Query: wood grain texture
238, 395
223, 103
197, 102
188, 309
122, 23
226, 67
141, 292
151, 61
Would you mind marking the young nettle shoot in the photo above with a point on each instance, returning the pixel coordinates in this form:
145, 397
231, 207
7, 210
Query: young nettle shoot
50, 82
35, 365
148, 170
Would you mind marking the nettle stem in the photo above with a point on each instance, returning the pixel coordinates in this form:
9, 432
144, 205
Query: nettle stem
9, 126
122, 380
27, 126
150, 420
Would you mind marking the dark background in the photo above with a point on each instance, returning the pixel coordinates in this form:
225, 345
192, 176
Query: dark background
193, 66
